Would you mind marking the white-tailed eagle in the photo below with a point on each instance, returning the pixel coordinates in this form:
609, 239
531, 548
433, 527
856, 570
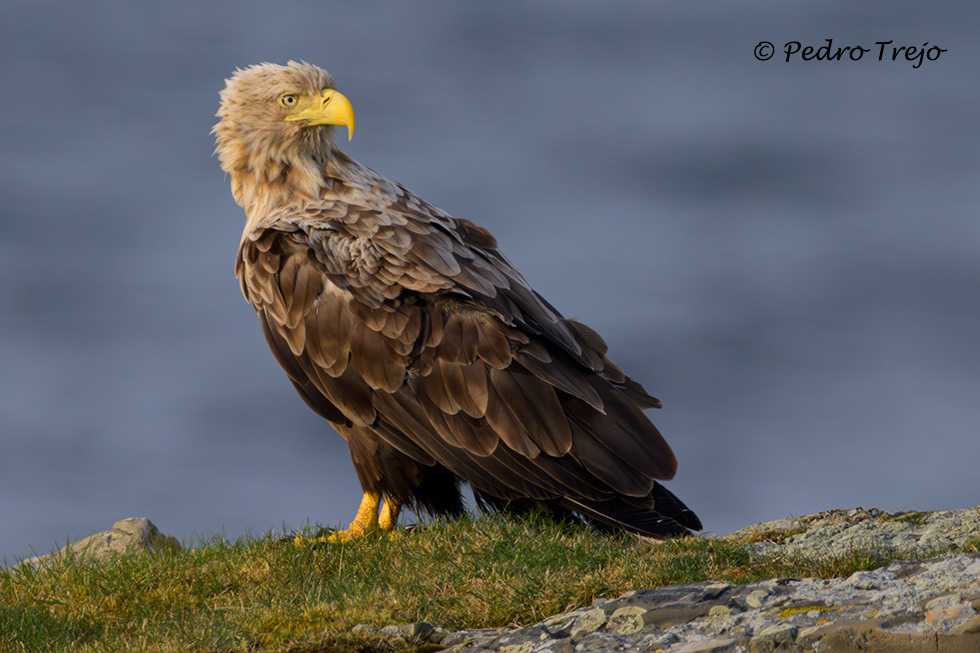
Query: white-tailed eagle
412, 334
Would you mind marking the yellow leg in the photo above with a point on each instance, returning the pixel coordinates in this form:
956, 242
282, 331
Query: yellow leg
389, 514
365, 521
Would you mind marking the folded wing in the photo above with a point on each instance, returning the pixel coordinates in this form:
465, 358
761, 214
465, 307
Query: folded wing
402, 324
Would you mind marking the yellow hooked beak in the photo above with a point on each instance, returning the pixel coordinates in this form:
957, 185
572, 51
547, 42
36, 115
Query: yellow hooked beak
327, 108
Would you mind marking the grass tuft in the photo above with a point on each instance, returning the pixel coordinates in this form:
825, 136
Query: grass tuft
911, 517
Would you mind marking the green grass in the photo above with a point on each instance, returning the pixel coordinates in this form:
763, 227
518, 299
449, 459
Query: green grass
267, 594
911, 517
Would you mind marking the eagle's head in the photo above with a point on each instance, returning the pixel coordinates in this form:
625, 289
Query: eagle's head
277, 121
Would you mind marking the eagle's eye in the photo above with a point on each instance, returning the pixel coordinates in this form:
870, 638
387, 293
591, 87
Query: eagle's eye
288, 100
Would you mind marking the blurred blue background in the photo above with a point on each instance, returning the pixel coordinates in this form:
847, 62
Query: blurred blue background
785, 253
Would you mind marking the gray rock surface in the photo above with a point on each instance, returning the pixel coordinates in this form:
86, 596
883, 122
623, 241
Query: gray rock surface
924, 605
929, 605
837, 532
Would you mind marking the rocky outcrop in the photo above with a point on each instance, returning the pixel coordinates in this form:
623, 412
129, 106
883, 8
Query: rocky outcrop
931, 605
132, 534
837, 532
923, 605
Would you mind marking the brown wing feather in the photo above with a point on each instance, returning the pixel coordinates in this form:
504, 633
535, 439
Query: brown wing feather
476, 385
541, 424
468, 386
382, 368
333, 326
564, 375
503, 421
435, 388
553, 434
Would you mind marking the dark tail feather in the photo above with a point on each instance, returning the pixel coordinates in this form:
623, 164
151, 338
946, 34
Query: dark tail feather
438, 493
668, 516
664, 501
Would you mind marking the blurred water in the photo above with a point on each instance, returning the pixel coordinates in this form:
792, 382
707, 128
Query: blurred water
786, 254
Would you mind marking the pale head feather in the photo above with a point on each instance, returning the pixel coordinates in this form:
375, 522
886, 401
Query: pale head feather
268, 158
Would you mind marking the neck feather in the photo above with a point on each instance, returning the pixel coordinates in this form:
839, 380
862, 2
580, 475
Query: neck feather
261, 190
268, 173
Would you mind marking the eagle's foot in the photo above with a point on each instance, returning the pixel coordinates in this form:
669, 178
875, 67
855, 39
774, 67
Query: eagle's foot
366, 521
